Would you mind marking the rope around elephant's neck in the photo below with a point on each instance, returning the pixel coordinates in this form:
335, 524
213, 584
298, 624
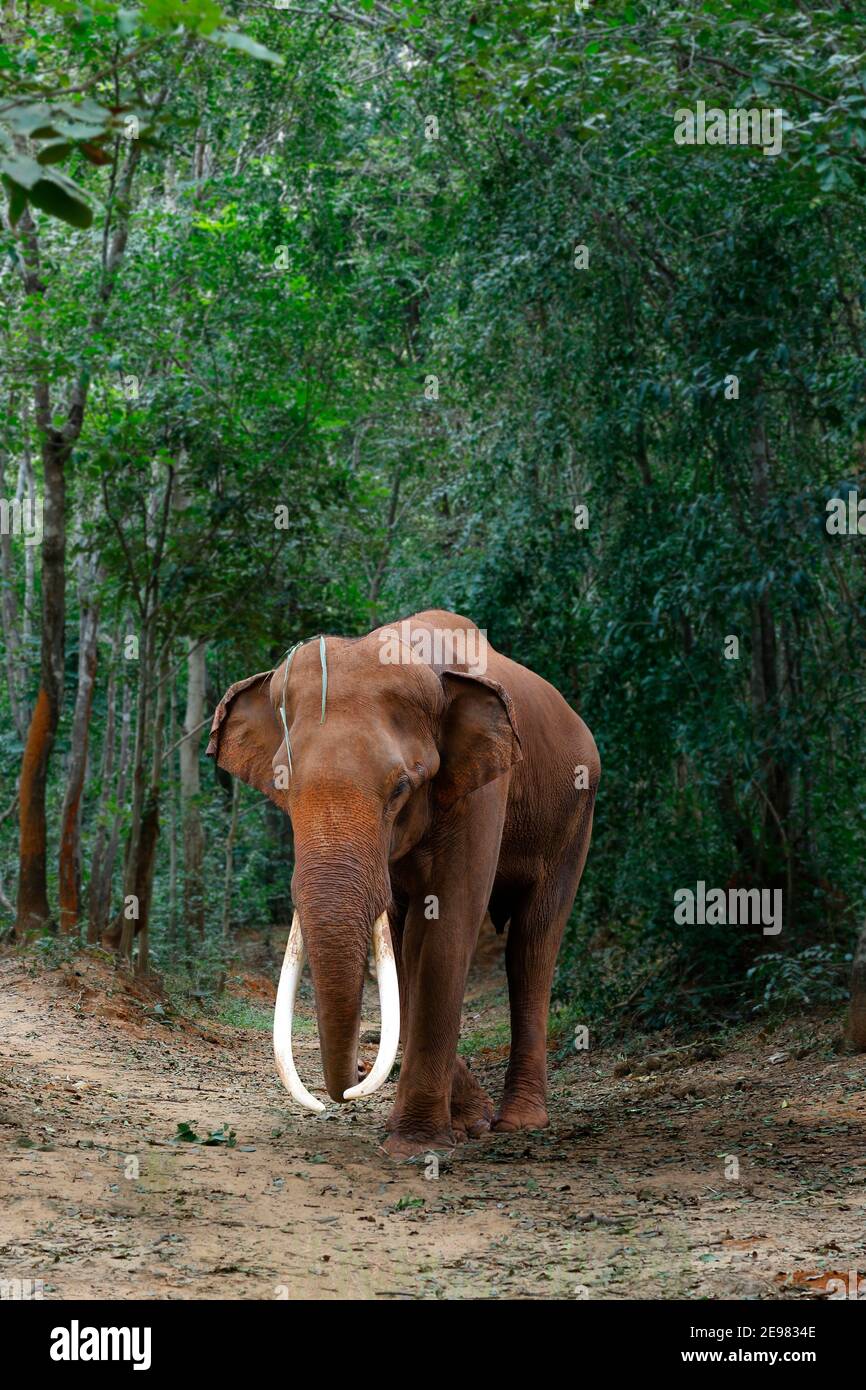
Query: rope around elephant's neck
288, 659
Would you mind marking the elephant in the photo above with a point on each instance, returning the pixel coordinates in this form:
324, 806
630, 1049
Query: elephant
429, 779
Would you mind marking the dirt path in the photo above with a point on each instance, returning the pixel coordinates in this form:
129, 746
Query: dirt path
625, 1196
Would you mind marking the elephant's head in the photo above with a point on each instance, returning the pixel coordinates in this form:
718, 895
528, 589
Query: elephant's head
362, 753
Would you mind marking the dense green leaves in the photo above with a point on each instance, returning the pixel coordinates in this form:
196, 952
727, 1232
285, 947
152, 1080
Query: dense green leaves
83, 124
391, 308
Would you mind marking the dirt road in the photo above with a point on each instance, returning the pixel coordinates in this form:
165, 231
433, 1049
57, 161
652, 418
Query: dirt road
700, 1172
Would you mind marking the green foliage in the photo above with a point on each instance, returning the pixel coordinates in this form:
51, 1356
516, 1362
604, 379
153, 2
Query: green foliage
395, 194
224, 1136
38, 119
817, 975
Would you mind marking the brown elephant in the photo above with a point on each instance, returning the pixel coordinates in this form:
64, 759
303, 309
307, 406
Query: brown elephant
428, 779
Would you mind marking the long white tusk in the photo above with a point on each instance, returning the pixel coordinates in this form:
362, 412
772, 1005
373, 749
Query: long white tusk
389, 1007
293, 964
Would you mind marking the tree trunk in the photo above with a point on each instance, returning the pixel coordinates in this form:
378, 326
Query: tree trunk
70, 838
9, 606
29, 613
131, 899
171, 789
106, 772
190, 789
100, 893
33, 909
150, 826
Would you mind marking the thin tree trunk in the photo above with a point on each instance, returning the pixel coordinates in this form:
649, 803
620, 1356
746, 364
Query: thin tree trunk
150, 825
190, 789
131, 909
106, 772
33, 909
9, 604
28, 491
153, 675
100, 903
171, 791
70, 838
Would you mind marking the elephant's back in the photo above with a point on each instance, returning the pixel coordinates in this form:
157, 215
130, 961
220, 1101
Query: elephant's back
560, 765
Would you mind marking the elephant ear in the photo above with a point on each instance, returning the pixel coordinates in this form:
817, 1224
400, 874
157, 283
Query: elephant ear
245, 734
478, 736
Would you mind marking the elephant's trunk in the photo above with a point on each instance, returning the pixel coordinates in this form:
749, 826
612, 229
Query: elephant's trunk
338, 958
337, 905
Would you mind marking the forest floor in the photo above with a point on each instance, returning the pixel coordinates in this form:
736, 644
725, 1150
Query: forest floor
732, 1167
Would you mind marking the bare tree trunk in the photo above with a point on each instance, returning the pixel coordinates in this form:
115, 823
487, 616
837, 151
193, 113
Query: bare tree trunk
190, 789
153, 677
150, 825
171, 789
106, 772
70, 822
131, 900
28, 491
100, 894
9, 606
33, 909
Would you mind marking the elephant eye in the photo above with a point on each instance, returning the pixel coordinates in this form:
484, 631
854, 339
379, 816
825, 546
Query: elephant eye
402, 786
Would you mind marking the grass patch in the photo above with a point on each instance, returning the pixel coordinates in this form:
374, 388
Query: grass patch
498, 1035
239, 1013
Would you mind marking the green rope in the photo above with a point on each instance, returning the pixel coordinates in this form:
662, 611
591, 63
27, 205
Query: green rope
288, 658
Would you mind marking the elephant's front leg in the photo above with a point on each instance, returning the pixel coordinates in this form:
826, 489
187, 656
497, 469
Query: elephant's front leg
435, 960
471, 1107
436, 952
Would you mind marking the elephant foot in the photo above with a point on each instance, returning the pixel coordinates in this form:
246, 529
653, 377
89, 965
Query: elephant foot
404, 1147
516, 1114
471, 1106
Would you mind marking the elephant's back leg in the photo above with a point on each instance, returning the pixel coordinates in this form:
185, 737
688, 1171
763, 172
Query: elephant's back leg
537, 923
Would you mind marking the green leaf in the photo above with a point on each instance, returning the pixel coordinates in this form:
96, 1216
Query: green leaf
59, 196
17, 200
186, 1133
53, 152
33, 120
230, 38
21, 169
